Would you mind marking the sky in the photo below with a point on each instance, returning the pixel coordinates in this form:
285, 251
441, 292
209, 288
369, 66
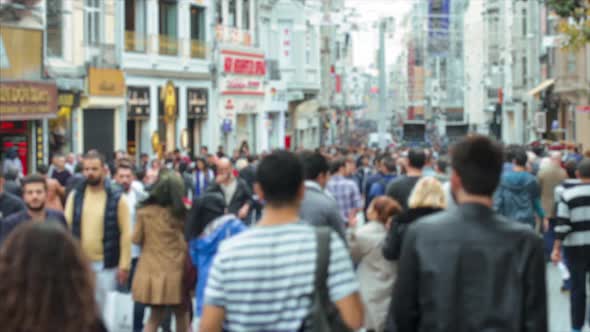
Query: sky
366, 42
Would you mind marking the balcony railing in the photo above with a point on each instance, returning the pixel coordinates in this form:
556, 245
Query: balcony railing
198, 49
168, 45
135, 42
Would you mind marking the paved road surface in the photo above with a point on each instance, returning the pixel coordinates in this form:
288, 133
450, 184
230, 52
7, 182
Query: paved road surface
559, 304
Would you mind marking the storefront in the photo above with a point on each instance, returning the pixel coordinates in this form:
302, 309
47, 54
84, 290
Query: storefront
276, 107
307, 124
197, 114
61, 127
167, 114
103, 112
138, 115
24, 108
241, 100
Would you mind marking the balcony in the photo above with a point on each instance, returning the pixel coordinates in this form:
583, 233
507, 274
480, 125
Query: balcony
135, 42
198, 49
168, 45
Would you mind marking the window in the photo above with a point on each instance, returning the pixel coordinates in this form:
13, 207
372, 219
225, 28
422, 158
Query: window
524, 72
219, 11
198, 49
524, 22
246, 14
135, 25
54, 28
232, 19
92, 22
571, 63
168, 27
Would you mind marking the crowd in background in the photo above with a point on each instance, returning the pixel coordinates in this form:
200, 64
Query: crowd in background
160, 228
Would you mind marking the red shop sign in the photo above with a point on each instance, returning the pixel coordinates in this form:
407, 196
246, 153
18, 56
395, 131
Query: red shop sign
244, 66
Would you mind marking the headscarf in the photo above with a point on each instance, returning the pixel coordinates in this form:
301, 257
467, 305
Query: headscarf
168, 192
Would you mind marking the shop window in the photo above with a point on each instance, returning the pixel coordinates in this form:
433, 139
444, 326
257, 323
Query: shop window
135, 25
54, 28
92, 24
198, 43
571, 63
219, 12
246, 14
168, 23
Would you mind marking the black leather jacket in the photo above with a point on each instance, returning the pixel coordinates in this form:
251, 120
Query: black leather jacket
470, 270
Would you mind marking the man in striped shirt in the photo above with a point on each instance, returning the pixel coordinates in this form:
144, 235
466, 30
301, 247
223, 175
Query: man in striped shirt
263, 279
573, 232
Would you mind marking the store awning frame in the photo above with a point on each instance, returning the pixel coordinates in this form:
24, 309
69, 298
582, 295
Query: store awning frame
541, 87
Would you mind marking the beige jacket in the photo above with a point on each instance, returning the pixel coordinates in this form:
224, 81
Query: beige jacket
160, 269
549, 178
376, 275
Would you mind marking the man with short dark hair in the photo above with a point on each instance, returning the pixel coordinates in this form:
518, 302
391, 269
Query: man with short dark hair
519, 196
345, 192
9, 203
491, 271
317, 207
401, 188
263, 278
98, 214
573, 233
35, 197
388, 171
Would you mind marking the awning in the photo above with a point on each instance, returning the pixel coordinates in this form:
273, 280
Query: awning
307, 108
544, 85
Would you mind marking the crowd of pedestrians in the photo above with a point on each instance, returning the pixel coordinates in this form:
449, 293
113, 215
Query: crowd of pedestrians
334, 239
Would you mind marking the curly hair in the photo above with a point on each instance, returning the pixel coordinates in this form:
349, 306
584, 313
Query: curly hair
47, 283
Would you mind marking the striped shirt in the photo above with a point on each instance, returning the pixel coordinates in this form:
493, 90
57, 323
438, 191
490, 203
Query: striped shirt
573, 215
264, 277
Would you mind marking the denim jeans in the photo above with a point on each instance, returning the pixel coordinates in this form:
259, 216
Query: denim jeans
578, 262
138, 308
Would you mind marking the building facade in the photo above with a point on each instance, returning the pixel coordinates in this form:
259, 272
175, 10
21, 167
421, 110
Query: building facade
28, 97
165, 54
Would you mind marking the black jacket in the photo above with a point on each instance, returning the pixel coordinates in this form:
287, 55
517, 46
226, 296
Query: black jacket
469, 269
395, 236
242, 195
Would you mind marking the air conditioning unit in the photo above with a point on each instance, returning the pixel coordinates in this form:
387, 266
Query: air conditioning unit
541, 122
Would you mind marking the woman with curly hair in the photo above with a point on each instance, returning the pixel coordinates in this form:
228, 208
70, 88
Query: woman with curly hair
47, 284
159, 229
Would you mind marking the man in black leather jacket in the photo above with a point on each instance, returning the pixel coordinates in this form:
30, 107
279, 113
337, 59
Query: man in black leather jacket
469, 269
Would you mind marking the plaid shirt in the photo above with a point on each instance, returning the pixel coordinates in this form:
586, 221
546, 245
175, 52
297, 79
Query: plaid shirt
346, 193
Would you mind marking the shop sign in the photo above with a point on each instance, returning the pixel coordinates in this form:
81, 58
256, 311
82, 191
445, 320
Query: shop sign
197, 102
242, 86
244, 66
68, 99
138, 102
106, 82
241, 106
583, 108
21, 53
25, 100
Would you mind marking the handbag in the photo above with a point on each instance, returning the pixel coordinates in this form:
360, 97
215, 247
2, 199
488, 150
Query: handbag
324, 316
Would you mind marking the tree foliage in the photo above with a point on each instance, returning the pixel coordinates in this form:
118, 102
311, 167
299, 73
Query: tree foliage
575, 23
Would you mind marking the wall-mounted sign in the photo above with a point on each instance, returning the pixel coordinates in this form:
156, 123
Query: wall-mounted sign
68, 99
196, 103
25, 100
241, 105
21, 53
138, 102
244, 66
106, 82
242, 86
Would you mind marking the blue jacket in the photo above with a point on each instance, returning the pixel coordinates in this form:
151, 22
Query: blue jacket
15, 219
518, 197
204, 248
379, 187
